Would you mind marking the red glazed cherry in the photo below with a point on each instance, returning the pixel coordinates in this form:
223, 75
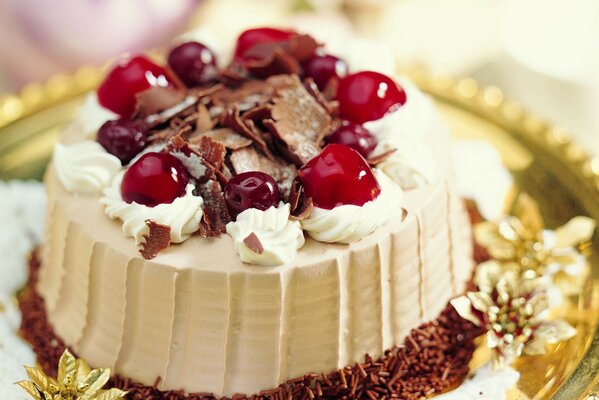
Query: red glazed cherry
123, 138
156, 178
251, 190
355, 136
128, 78
367, 96
323, 68
194, 63
250, 38
339, 175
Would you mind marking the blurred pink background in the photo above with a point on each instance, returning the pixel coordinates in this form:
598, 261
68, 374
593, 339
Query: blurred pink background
39, 38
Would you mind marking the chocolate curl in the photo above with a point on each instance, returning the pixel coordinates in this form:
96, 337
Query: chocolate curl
157, 239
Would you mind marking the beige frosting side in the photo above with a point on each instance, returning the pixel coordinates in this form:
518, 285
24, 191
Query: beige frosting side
205, 322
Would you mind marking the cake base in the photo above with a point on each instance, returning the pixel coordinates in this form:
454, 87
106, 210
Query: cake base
434, 358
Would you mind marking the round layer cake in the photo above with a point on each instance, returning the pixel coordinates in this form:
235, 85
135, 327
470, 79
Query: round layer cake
217, 312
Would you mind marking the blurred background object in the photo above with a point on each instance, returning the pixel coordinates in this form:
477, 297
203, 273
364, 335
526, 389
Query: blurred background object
542, 53
39, 38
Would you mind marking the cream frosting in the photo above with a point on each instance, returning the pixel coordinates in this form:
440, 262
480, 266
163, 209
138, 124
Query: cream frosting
280, 237
412, 164
92, 116
350, 223
182, 215
85, 167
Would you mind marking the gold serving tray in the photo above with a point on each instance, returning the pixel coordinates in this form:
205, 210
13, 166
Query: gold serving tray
543, 160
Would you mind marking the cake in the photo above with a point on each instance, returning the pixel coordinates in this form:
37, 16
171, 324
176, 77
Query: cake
234, 226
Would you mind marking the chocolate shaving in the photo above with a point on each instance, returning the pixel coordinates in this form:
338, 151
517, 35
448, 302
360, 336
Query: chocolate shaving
246, 128
157, 239
299, 122
374, 161
329, 106
157, 99
303, 209
250, 159
227, 136
215, 216
278, 62
195, 164
253, 243
300, 205
204, 120
212, 152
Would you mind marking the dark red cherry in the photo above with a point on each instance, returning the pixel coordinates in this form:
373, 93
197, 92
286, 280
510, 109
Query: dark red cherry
193, 63
123, 138
355, 136
323, 68
250, 38
128, 78
368, 95
251, 190
339, 175
156, 178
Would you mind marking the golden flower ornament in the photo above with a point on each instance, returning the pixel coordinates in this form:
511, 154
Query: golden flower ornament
514, 309
75, 381
520, 243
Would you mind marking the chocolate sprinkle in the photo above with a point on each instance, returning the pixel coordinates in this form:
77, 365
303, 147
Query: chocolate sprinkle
433, 359
157, 239
253, 243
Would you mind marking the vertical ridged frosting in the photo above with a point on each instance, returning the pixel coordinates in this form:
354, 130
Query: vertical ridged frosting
205, 322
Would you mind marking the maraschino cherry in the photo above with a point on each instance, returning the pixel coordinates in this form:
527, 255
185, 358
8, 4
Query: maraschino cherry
156, 178
252, 37
123, 138
252, 189
128, 78
355, 136
337, 176
194, 63
367, 96
322, 68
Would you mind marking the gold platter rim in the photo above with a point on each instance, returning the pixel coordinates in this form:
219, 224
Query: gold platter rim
488, 102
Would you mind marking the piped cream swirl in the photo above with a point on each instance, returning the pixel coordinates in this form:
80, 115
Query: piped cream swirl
279, 237
92, 116
85, 167
182, 215
350, 223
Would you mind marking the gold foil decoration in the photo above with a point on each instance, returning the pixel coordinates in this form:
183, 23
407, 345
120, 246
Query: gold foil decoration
75, 381
520, 243
514, 309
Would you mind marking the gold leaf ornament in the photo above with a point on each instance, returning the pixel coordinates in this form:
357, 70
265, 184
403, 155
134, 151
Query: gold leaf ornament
75, 381
514, 309
520, 243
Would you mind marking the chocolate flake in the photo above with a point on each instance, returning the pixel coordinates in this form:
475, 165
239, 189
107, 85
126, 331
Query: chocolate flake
157, 239
215, 216
246, 128
374, 161
155, 100
227, 136
300, 205
253, 243
299, 122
